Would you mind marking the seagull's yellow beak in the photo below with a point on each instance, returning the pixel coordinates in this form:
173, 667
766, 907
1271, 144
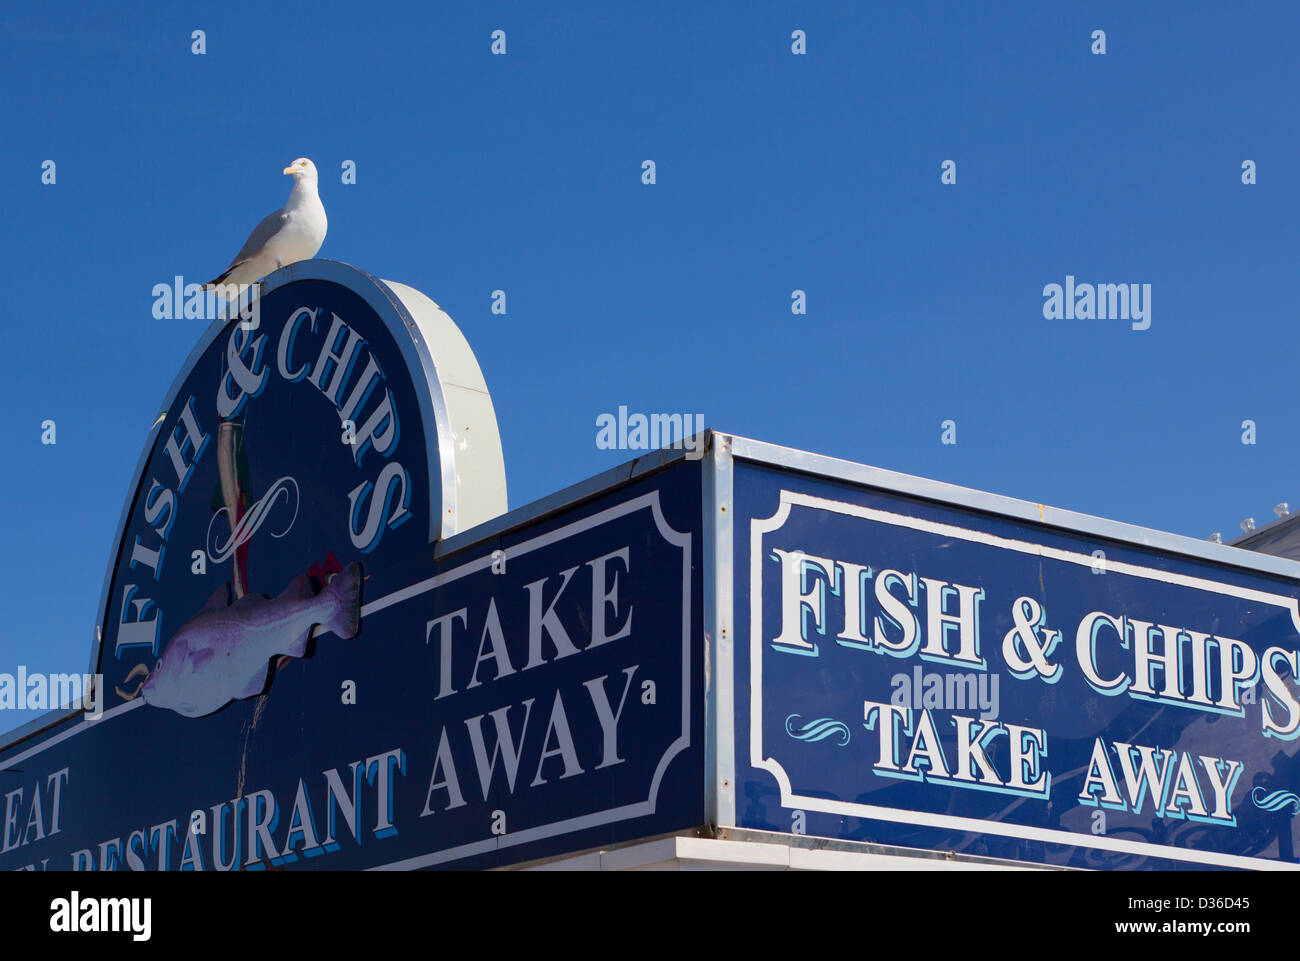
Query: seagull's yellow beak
289, 169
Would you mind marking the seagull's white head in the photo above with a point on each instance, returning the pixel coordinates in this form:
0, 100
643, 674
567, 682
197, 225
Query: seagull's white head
302, 169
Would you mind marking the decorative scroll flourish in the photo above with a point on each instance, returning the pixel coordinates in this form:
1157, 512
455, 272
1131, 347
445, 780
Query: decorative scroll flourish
1275, 800
817, 730
252, 520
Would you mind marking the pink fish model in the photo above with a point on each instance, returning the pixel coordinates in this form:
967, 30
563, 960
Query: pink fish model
223, 652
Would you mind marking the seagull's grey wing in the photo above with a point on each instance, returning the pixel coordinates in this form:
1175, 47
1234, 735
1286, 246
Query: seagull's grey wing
263, 232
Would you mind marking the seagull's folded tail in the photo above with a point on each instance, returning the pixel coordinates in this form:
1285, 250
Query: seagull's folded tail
221, 281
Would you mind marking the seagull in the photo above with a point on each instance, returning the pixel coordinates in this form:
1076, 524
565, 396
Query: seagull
293, 233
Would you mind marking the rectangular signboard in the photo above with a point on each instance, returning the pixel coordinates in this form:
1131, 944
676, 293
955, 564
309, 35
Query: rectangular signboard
528, 693
933, 675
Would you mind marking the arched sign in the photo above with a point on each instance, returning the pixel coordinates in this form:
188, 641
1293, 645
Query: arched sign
337, 429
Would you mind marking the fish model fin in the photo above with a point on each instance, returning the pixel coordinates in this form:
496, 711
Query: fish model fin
254, 685
299, 589
220, 598
199, 657
345, 591
299, 647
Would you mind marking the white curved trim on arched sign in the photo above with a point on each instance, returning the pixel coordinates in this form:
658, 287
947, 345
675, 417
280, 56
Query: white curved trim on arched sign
473, 465
466, 466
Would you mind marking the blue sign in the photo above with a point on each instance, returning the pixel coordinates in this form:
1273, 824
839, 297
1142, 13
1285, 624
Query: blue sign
300, 673
923, 675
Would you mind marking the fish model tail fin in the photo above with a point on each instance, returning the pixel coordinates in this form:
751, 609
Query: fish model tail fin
345, 589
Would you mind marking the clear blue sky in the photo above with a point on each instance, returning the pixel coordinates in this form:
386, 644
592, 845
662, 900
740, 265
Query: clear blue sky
774, 172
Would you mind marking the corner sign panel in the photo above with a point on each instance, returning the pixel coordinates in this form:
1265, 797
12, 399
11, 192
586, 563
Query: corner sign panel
927, 675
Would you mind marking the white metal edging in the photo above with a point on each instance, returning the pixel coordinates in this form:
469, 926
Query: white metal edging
951, 494
719, 634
